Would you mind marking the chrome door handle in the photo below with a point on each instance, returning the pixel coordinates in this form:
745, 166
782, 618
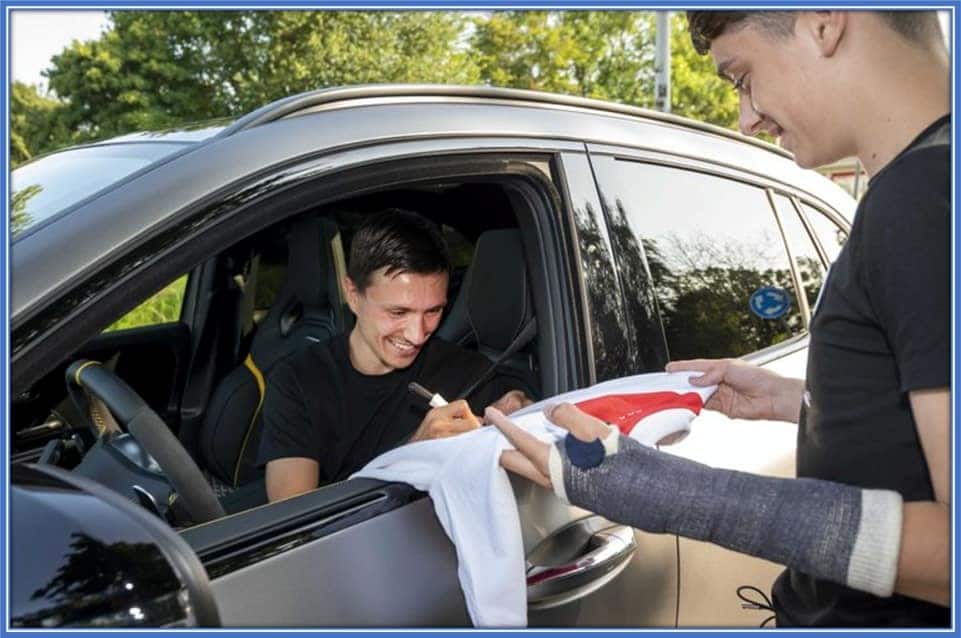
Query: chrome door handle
576, 560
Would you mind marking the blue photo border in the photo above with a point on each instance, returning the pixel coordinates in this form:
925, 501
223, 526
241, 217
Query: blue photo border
6, 6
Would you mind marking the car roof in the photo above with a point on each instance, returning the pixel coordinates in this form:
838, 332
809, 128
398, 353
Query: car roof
344, 95
310, 125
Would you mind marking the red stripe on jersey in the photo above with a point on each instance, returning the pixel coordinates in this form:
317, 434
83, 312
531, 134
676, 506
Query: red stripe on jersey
625, 410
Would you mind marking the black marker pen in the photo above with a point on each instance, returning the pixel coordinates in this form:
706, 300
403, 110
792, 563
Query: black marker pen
433, 399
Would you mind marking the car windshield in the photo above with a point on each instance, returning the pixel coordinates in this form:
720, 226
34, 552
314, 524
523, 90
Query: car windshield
42, 188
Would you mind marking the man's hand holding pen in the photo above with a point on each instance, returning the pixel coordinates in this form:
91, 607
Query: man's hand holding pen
450, 419
446, 420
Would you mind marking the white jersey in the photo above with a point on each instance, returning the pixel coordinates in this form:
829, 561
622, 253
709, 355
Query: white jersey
472, 494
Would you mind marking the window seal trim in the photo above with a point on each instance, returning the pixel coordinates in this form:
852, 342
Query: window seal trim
800, 293
696, 164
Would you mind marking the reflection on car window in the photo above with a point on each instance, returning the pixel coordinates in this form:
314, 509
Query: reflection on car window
162, 307
716, 256
50, 184
805, 255
831, 236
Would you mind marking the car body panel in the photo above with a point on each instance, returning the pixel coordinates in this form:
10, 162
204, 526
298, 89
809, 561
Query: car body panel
405, 577
96, 559
732, 444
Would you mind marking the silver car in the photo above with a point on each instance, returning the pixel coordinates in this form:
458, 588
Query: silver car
146, 269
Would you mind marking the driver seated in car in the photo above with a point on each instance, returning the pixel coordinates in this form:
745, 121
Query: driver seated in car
338, 404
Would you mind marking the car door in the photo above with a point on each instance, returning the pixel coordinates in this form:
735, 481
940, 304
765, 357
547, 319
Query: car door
713, 239
356, 553
362, 553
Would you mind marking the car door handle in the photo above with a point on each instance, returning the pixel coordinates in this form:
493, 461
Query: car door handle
577, 560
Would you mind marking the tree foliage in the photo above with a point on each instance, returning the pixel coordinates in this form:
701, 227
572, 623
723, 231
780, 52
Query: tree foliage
162, 307
696, 90
151, 70
156, 69
35, 123
600, 54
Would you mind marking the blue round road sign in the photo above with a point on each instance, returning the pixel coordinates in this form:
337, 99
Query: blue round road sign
770, 302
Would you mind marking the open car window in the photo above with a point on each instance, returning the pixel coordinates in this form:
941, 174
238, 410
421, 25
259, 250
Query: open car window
163, 307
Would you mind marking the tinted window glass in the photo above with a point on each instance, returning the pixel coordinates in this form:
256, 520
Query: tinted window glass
712, 246
805, 255
43, 188
831, 236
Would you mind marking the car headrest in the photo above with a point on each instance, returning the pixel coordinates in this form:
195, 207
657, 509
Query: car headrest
498, 292
307, 308
308, 262
455, 326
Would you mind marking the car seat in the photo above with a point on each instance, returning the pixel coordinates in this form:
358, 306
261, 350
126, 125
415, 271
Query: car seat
493, 311
308, 309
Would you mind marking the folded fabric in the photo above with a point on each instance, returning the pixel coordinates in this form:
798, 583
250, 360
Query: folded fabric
472, 495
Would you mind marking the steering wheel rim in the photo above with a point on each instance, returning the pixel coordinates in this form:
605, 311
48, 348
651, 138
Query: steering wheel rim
136, 417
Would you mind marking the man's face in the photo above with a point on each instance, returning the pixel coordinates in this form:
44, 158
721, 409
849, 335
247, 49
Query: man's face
781, 84
396, 315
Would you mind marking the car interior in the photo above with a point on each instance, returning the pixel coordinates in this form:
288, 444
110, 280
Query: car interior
244, 310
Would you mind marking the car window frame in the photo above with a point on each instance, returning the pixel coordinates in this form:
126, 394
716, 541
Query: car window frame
153, 263
837, 220
800, 293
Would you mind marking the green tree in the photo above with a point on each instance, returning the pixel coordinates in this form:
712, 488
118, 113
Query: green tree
696, 90
155, 69
301, 51
35, 123
599, 54
162, 307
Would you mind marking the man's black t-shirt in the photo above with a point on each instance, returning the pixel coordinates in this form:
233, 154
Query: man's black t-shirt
880, 330
318, 406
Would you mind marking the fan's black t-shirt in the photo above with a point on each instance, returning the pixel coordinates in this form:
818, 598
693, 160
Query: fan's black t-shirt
881, 329
318, 406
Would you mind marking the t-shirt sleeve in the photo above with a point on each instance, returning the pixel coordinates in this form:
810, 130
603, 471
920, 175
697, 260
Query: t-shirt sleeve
287, 431
907, 265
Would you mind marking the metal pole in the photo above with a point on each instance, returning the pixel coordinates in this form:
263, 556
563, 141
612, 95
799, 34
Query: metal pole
662, 62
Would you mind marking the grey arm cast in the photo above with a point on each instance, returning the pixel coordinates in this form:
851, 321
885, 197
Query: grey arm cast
828, 530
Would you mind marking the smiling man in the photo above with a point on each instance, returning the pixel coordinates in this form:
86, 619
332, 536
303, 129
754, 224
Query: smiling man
865, 528
338, 404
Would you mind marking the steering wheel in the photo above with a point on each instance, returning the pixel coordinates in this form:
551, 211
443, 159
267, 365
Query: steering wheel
136, 417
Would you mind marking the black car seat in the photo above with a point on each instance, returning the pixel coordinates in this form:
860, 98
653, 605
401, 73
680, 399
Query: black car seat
308, 309
493, 311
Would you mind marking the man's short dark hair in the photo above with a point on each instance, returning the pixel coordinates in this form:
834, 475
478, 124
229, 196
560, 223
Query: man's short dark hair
399, 240
918, 27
